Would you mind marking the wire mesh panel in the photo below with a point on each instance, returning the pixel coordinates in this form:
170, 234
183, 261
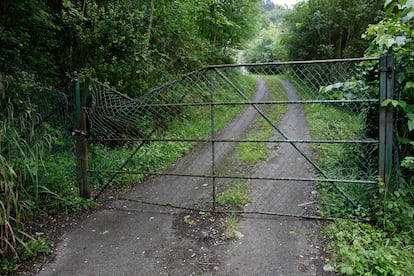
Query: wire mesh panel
255, 137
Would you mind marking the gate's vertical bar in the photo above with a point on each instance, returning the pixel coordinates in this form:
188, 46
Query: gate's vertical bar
80, 141
386, 118
213, 145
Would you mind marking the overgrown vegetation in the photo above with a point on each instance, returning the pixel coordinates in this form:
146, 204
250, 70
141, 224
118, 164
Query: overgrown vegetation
269, 45
383, 246
36, 167
338, 161
321, 29
313, 29
134, 45
131, 46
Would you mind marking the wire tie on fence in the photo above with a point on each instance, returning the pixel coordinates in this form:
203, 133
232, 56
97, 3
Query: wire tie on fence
77, 132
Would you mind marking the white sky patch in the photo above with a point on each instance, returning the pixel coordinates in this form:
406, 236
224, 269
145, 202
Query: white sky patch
288, 3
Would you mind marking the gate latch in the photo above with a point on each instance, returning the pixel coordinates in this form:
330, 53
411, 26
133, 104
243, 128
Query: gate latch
389, 70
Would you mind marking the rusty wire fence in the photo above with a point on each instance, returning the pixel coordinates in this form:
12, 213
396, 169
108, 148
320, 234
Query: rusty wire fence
326, 132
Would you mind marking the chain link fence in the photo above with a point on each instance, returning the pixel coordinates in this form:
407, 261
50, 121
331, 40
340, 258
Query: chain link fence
255, 137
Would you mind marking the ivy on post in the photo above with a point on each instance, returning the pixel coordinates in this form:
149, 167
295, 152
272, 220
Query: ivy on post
386, 119
79, 133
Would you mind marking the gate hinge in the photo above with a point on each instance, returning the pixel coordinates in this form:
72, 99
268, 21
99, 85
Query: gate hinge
389, 70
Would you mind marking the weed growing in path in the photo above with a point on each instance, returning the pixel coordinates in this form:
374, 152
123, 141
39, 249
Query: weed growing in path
255, 152
237, 196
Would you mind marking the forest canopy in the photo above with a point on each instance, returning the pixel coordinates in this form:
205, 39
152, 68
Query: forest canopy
132, 45
313, 29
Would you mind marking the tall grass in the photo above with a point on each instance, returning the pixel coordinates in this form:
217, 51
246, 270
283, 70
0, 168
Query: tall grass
32, 178
20, 162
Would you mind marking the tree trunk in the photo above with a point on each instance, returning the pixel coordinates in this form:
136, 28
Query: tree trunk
149, 30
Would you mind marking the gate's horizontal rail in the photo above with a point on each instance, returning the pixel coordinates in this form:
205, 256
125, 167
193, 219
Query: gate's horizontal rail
217, 211
245, 103
303, 62
240, 177
368, 141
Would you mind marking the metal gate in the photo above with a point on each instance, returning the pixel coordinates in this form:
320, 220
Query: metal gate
269, 138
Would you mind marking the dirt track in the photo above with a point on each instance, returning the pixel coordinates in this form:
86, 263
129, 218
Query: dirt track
134, 239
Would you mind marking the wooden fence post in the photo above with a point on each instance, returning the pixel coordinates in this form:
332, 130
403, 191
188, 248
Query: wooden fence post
80, 95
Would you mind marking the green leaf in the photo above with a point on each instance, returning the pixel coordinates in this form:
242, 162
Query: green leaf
409, 85
394, 103
403, 140
408, 17
409, 4
387, 2
400, 40
408, 162
410, 121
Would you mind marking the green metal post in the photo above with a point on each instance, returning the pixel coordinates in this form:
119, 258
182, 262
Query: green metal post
213, 149
386, 118
80, 141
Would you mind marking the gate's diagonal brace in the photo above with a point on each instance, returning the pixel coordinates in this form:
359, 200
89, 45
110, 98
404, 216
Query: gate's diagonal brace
143, 142
284, 136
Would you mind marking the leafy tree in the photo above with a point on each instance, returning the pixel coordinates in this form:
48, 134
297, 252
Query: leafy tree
28, 35
132, 45
329, 28
268, 5
227, 24
268, 45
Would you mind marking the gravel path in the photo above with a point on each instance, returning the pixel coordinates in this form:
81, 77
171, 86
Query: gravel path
130, 238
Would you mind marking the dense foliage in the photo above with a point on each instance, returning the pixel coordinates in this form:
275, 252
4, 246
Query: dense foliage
313, 29
320, 29
130, 45
395, 34
268, 45
385, 247
135, 45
